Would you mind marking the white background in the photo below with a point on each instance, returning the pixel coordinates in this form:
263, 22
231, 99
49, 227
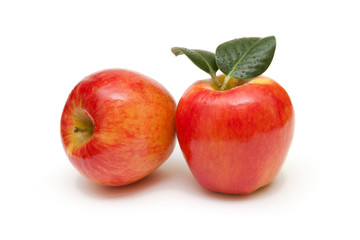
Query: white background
46, 47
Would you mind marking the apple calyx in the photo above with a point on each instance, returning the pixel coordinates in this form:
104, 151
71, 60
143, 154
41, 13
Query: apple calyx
242, 58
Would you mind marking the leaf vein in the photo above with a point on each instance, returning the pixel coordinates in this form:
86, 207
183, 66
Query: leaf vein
238, 62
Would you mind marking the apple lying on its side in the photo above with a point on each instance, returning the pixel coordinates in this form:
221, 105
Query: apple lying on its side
235, 141
118, 126
235, 129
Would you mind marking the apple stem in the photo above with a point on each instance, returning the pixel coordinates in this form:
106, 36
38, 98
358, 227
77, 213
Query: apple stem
76, 129
215, 79
223, 86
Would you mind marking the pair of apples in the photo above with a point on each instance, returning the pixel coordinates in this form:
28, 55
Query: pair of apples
118, 126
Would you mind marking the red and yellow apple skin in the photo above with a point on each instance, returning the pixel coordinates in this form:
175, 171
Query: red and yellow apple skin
235, 141
118, 126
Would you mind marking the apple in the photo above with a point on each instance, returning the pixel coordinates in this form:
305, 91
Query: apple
118, 126
235, 141
235, 129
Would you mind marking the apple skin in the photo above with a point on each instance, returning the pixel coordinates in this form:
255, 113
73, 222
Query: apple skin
235, 141
132, 126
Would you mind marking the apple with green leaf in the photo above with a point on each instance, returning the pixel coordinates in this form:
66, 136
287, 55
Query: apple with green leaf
235, 129
118, 126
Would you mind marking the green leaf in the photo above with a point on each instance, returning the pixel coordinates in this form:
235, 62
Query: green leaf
203, 59
245, 58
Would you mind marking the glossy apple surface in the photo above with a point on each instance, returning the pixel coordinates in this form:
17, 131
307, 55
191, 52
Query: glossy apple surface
118, 126
235, 141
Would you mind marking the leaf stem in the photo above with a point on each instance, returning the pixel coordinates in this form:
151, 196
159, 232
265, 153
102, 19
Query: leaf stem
215, 79
223, 86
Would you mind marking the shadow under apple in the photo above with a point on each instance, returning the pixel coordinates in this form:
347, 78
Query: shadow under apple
107, 192
174, 174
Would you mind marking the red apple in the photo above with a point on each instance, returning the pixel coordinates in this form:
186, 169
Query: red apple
118, 126
235, 141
